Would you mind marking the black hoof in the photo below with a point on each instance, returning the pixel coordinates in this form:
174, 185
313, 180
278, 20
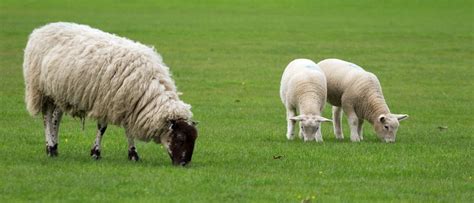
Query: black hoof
133, 155
52, 151
95, 153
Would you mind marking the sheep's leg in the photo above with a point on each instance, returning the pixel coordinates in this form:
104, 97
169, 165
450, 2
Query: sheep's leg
337, 118
52, 117
353, 124
359, 128
291, 124
319, 135
132, 150
96, 148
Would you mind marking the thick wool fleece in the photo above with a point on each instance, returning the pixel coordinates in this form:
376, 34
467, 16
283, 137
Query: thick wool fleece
88, 72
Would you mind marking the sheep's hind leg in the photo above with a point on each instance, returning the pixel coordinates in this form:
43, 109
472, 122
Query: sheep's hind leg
132, 150
96, 148
337, 117
52, 118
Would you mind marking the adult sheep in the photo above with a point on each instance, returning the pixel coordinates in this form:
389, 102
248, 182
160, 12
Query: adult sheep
358, 93
303, 91
85, 72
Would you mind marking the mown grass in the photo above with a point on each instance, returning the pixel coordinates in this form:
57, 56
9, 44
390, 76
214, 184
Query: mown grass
227, 58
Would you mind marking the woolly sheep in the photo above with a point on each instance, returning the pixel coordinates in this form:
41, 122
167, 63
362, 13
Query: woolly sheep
86, 72
303, 90
358, 93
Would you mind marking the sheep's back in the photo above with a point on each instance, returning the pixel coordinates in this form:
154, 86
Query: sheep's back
88, 72
303, 77
341, 76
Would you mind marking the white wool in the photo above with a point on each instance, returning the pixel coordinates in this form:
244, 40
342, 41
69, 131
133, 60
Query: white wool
360, 96
88, 72
350, 83
303, 86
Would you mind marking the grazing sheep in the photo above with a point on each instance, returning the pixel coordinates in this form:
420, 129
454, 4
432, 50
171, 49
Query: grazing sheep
86, 72
358, 93
303, 90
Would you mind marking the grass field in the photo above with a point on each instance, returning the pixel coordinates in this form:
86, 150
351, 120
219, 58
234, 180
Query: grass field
227, 58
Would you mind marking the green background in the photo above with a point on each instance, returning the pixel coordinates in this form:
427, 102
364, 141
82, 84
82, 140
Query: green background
227, 58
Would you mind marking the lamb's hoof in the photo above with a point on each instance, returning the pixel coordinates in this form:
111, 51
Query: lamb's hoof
340, 137
52, 151
290, 137
133, 155
95, 153
355, 139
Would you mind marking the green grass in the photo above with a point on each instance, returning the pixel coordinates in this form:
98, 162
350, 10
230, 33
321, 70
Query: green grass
227, 57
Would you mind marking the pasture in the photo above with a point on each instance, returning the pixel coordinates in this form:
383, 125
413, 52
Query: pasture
227, 58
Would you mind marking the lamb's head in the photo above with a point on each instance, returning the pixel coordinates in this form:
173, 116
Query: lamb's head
386, 126
309, 125
180, 141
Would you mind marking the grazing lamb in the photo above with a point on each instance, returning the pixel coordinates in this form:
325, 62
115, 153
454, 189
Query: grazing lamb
358, 93
303, 90
85, 72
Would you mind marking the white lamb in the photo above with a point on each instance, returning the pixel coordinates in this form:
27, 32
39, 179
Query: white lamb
358, 93
86, 72
303, 90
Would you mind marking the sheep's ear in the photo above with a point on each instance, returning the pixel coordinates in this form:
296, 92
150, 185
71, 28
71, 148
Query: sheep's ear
400, 117
322, 119
298, 118
194, 123
382, 118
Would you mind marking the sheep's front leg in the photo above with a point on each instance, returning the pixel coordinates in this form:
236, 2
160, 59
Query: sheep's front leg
353, 123
291, 123
319, 135
337, 118
132, 150
52, 118
96, 148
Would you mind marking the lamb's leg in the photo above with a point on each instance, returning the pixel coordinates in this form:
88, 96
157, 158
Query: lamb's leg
359, 128
337, 118
319, 135
291, 124
132, 150
96, 148
51, 117
353, 123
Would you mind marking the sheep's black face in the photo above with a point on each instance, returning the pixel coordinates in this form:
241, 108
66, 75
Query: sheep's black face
181, 146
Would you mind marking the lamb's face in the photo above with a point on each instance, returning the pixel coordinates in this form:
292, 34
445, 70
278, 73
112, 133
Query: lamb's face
309, 128
386, 126
180, 143
310, 125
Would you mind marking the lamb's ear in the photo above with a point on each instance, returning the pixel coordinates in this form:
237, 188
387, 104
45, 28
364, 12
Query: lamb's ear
400, 117
322, 119
298, 118
194, 123
382, 118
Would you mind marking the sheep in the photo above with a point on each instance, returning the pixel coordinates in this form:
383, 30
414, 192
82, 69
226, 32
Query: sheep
358, 93
303, 90
85, 72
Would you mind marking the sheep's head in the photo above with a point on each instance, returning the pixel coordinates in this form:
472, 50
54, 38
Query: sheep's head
309, 125
180, 141
386, 126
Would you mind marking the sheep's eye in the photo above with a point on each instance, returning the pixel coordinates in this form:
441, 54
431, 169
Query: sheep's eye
386, 127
